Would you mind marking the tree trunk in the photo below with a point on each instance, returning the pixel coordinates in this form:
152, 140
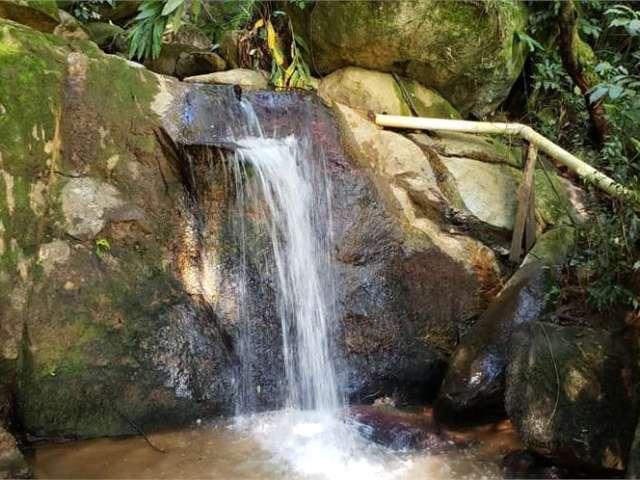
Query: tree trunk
568, 25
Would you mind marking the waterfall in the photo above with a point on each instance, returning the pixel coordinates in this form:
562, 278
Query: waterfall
282, 189
280, 178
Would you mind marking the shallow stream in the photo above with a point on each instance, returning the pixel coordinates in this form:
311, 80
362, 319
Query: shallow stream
277, 445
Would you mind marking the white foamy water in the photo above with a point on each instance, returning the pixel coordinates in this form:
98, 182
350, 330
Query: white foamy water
319, 444
294, 192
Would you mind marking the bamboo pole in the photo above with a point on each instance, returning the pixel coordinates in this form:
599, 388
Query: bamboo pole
582, 169
525, 203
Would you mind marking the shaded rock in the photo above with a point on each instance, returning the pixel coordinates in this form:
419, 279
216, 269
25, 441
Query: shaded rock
109, 37
239, 76
465, 52
69, 27
191, 35
400, 431
12, 463
475, 379
633, 466
570, 394
528, 464
228, 48
185, 61
380, 93
120, 12
39, 14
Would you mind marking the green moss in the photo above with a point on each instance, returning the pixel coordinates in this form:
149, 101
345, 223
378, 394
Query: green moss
437, 107
552, 201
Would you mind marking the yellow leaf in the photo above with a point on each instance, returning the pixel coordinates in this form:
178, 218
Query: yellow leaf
289, 72
258, 24
272, 42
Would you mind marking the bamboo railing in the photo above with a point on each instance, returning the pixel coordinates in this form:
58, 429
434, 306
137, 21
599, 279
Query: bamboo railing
535, 142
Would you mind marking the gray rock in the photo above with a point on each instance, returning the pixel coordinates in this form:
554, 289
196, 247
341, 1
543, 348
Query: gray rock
88, 205
54, 254
243, 77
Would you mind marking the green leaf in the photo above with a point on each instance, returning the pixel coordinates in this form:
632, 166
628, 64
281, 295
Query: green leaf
599, 92
634, 28
171, 6
616, 91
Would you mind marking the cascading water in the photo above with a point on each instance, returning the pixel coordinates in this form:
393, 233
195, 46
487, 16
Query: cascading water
280, 181
295, 195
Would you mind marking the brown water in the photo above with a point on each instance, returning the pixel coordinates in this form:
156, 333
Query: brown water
261, 449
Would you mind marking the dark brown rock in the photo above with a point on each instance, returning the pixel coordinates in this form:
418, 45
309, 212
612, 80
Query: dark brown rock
571, 395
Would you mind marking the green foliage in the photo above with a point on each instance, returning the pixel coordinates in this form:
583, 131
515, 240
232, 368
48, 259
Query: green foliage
102, 246
88, 10
292, 72
604, 265
156, 18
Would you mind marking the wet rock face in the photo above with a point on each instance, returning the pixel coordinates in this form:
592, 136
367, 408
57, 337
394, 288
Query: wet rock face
402, 292
571, 395
475, 377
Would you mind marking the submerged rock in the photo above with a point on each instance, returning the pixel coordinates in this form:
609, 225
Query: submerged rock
571, 395
399, 430
469, 54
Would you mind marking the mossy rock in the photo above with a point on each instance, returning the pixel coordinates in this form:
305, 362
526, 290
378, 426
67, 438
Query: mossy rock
380, 92
82, 326
467, 51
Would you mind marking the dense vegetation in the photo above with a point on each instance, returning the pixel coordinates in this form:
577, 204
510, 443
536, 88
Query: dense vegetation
604, 265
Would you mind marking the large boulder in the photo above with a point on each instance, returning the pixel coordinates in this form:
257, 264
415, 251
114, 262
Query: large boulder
468, 51
382, 93
475, 378
461, 269
97, 332
119, 279
571, 395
